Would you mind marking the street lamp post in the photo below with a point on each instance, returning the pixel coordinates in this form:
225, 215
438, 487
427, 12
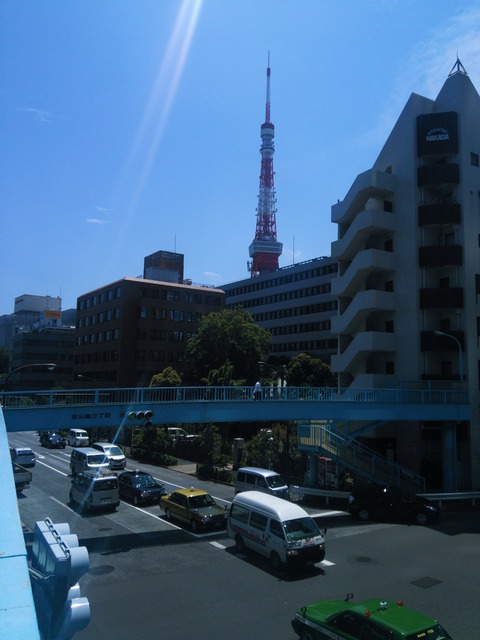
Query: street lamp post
283, 380
50, 366
460, 354
449, 433
80, 376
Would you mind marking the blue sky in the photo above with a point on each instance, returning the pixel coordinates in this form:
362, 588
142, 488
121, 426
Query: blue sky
132, 126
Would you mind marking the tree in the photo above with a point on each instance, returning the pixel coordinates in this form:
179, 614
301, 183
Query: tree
227, 347
167, 378
307, 371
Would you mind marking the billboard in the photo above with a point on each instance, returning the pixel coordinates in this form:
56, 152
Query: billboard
437, 133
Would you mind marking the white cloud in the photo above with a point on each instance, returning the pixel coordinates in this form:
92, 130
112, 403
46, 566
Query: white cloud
40, 115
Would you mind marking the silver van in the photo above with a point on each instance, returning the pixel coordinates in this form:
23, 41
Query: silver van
264, 480
95, 490
87, 459
280, 530
78, 438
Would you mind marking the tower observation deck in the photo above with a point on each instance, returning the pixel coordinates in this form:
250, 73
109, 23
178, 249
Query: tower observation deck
264, 249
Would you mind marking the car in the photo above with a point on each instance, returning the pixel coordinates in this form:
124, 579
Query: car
22, 456
115, 456
140, 487
390, 503
375, 619
194, 507
52, 440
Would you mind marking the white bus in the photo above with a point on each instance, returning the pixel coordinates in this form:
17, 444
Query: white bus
280, 530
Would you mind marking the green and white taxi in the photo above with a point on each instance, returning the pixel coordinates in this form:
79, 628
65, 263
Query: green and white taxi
372, 619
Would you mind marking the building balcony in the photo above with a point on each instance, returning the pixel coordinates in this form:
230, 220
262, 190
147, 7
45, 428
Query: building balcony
436, 174
362, 305
433, 214
443, 256
365, 225
441, 298
361, 347
364, 263
369, 184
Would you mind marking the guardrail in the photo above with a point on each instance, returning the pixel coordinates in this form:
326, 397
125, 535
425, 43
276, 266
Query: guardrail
468, 496
298, 493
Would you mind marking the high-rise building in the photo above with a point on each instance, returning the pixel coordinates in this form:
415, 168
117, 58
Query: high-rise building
408, 284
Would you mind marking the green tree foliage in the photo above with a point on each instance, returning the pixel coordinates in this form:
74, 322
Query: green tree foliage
307, 371
167, 378
229, 343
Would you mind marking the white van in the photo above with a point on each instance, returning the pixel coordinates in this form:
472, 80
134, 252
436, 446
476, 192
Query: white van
280, 530
87, 459
95, 490
78, 438
264, 480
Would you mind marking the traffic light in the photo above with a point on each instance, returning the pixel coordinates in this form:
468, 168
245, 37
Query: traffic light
57, 565
142, 418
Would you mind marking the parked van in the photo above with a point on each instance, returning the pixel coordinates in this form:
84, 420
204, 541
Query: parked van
95, 490
264, 480
87, 459
78, 438
282, 531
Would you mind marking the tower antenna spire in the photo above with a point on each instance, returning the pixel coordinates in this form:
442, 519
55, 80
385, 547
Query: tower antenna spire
264, 249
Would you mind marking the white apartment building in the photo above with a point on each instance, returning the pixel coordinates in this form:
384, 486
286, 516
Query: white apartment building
408, 284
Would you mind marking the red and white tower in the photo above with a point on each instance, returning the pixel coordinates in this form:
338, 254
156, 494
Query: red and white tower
265, 250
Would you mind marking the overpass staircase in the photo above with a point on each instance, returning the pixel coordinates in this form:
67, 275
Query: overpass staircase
327, 439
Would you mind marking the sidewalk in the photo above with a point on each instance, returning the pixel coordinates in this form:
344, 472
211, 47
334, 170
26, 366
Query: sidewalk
184, 466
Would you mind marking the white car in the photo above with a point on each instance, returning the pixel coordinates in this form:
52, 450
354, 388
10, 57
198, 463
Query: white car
115, 456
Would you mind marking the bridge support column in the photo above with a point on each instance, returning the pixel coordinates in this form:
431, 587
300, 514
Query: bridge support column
312, 468
449, 457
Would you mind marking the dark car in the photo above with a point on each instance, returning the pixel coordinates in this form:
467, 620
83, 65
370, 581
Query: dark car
139, 487
52, 440
389, 503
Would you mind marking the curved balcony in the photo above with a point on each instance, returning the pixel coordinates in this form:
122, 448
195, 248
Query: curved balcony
361, 266
362, 305
363, 345
366, 224
369, 184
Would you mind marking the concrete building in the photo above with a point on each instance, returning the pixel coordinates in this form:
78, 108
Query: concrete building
28, 310
408, 284
295, 304
44, 344
131, 329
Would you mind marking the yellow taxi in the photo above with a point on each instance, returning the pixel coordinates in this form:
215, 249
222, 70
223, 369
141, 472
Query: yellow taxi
195, 508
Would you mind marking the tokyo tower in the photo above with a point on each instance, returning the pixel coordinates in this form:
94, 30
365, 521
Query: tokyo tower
264, 249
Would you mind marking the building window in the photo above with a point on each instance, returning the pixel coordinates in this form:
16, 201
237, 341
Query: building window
142, 312
474, 159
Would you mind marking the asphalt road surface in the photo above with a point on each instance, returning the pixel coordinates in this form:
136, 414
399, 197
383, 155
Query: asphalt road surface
149, 578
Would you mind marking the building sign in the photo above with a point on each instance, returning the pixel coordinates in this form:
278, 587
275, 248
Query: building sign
437, 133
53, 314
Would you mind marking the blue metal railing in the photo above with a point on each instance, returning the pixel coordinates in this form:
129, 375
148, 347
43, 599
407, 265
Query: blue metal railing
88, 397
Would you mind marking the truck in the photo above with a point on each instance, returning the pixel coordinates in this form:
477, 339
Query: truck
22, 477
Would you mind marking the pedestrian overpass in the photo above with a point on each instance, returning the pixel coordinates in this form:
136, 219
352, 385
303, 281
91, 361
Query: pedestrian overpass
86, 408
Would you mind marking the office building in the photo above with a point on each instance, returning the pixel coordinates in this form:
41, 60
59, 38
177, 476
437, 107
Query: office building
295, 304
131, 329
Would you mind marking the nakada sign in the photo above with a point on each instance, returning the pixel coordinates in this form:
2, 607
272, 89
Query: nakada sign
437, 133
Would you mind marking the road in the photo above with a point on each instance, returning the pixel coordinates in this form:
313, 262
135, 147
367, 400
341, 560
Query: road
152, 579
